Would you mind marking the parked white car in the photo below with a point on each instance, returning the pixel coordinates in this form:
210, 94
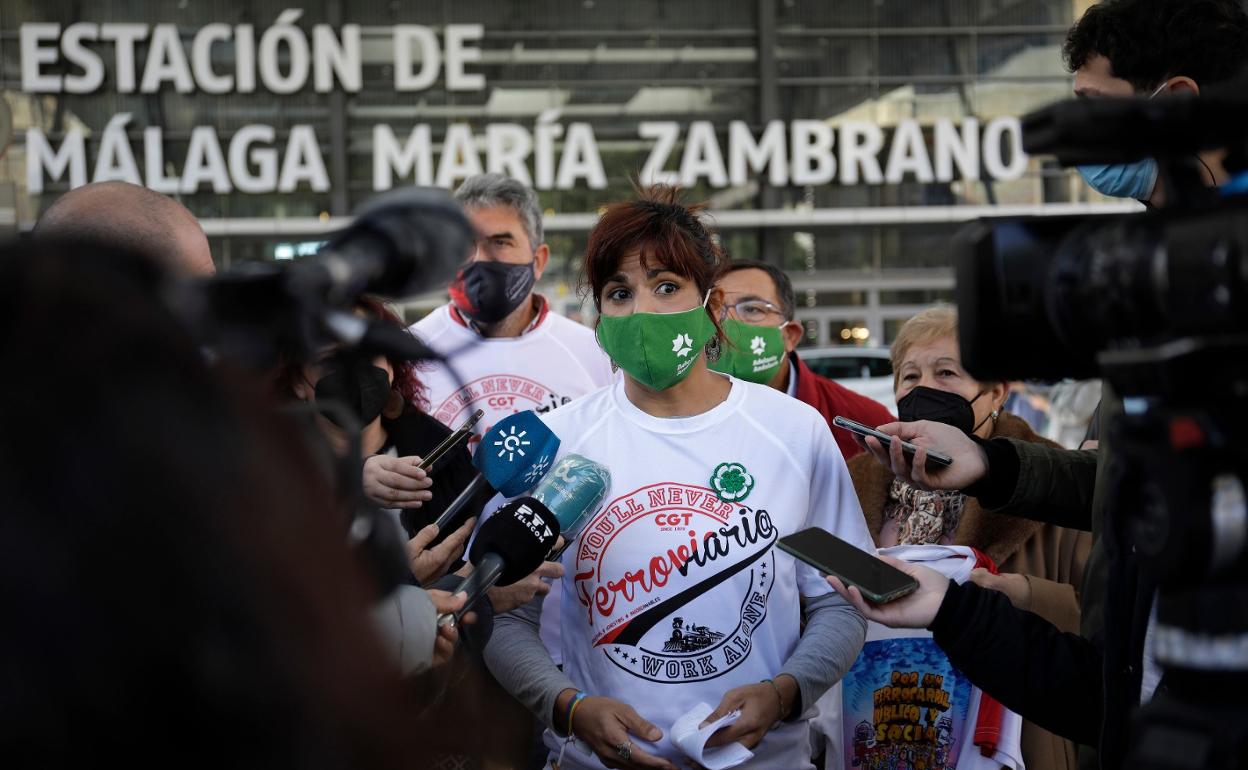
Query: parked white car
861, 369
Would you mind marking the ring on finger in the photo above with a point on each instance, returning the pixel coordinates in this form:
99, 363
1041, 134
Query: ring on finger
624, 750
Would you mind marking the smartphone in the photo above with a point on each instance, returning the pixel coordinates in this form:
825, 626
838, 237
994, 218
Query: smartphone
934, 457
451, 441
878, 580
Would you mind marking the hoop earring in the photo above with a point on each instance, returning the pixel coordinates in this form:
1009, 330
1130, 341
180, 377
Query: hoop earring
713, 349
615, 368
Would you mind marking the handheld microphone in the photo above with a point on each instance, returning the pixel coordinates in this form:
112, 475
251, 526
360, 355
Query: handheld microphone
512, 456
510, 545
573, 490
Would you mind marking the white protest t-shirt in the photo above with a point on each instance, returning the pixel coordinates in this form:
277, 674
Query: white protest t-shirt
552, 363
674, 592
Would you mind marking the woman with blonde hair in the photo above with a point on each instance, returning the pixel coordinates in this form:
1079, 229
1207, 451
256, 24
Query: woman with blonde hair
1041, 566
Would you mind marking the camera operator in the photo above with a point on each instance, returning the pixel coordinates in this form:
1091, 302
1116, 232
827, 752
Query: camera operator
1154, 48
1084, 687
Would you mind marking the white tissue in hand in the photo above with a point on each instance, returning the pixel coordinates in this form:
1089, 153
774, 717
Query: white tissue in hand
692, 739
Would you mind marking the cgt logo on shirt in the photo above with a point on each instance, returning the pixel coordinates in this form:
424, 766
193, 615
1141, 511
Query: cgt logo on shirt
675, 581
499, 395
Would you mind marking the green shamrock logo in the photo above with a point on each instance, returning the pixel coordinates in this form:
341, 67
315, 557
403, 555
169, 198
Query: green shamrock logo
731, 482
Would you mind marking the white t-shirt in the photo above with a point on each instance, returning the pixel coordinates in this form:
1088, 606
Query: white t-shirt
546, 367
637, 628
552, 363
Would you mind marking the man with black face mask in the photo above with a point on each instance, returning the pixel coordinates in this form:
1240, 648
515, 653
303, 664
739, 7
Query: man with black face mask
510, 351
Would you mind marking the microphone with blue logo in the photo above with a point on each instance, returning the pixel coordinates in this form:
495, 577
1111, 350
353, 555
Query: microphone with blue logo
573, 490
512, 456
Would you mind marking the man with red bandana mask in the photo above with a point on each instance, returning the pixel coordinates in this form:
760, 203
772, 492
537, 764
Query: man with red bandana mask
511, 353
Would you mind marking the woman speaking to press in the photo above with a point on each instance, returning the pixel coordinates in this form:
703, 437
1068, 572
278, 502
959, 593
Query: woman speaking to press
674, 594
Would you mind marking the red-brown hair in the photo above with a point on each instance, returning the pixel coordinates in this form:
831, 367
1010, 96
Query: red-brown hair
660, 228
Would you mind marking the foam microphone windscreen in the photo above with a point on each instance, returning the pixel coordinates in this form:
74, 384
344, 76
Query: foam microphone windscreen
573, 490
516, 452
522, 532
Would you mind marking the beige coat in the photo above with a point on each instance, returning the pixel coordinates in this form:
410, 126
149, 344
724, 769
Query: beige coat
1050, 557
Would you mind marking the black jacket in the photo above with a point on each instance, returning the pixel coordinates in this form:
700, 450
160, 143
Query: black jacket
1047, 676
1072, 489
416, 433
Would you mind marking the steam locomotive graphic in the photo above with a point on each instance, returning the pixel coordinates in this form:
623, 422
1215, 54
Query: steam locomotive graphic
690, 638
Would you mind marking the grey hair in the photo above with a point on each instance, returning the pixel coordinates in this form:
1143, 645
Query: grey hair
488, 190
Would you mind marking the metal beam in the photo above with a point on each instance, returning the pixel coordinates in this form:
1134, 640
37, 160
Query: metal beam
339, 205
769, 197
724, 220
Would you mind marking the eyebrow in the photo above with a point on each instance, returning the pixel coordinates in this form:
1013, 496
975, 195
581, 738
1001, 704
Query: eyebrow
937, 362
650, 274
501, 234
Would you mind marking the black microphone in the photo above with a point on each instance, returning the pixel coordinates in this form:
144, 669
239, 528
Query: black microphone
401, 243
510, 545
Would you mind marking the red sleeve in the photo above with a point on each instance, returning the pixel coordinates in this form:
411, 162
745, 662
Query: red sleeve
858, 408
988, 721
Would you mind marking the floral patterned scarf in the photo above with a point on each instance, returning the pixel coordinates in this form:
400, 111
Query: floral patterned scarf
921, 517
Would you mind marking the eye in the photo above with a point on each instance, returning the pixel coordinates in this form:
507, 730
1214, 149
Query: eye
947, 373
618, 294
751, 312
667, 287
908, 376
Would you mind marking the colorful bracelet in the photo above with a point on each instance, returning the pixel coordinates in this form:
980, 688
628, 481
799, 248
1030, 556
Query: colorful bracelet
576, 700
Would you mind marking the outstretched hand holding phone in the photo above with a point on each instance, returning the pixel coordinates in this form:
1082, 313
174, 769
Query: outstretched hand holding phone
916, 609
969, 462
875, 578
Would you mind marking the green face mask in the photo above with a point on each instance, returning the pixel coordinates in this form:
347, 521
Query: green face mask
656, 349
753, 353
